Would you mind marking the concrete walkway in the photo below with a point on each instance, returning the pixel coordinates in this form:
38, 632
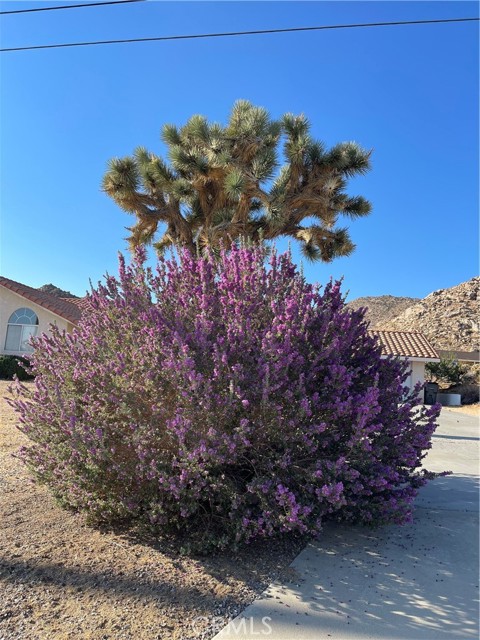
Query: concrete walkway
415, 582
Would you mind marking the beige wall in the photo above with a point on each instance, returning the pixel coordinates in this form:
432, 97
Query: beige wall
10, 302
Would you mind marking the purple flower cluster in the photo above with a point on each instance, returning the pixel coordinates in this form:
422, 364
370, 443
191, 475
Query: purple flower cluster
224, 400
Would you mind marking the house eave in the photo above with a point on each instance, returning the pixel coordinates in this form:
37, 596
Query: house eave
411, 358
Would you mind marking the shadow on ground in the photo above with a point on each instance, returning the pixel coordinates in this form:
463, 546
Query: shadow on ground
414, 582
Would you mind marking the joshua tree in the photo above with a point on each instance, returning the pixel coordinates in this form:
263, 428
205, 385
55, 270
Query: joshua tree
224, 183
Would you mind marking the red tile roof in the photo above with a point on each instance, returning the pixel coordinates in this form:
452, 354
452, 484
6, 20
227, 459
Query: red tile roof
63, 307
80, 303
411, 344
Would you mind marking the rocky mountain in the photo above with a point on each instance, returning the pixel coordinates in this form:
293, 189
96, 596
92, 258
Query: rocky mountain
56, 291
382, 308
449, 318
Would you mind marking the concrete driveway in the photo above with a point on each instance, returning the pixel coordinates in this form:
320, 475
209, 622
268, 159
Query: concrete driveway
415, 582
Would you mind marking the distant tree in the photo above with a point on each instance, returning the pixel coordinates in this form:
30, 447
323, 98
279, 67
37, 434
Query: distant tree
224, 183
56, 291
447, 371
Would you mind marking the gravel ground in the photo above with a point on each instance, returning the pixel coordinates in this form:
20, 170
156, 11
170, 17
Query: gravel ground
63, 579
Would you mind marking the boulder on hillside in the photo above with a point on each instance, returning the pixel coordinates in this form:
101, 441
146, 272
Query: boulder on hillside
449, 318
56, 291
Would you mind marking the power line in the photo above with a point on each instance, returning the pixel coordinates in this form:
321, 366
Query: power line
239, 33
69, 6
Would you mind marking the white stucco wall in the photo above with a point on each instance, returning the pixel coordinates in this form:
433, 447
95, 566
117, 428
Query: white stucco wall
418, 372
10, 302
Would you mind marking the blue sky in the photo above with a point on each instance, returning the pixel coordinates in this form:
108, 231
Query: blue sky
410, 93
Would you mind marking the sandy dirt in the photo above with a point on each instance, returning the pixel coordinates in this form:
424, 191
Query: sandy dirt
60, 578
470, 409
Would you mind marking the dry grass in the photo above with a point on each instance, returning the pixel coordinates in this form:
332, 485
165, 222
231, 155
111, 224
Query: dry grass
62, 579
471, 409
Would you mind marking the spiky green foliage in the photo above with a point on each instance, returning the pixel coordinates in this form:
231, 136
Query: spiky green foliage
223, 183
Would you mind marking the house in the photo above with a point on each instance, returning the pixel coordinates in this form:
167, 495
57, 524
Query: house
409, 345
26, 312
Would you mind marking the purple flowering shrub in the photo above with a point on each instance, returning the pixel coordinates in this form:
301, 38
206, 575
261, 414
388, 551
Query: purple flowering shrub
223, 400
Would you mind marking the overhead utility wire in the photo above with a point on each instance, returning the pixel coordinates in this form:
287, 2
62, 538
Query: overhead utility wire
239, 33
69, 6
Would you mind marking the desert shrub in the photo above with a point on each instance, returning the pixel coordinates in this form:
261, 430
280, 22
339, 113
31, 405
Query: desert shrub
223, 400
469, 392
447, 371
11, 366
473, 373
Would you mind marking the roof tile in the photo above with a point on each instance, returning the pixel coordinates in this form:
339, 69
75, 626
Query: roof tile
412, 344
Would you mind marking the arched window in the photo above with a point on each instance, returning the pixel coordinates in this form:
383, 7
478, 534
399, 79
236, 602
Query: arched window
22, 325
